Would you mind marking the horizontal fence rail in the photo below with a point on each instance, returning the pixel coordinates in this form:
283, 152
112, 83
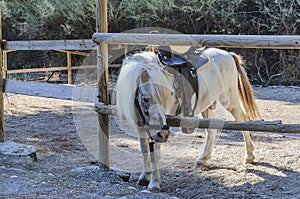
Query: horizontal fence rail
61, 68
82, 44
232, 41
257, 125
56, 91
194, 122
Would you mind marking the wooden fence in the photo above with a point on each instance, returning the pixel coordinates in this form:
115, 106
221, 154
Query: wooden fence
102, 38
194, 122
89, 95
232, 41
70, 47
63, 46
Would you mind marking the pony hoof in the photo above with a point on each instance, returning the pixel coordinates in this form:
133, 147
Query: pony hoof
143, 182
249, 160
199, 164
154, 187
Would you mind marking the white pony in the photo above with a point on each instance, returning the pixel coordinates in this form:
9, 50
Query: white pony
145, 88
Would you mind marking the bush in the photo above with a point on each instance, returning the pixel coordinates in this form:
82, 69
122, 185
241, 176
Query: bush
259, 17
75, 19
45, 19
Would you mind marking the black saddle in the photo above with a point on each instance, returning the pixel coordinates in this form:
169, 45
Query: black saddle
167, 57
194, 57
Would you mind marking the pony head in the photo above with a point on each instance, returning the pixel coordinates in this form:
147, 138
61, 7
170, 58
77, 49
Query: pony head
151, 102
145, 93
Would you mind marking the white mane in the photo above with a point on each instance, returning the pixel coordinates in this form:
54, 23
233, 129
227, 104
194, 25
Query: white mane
129, 80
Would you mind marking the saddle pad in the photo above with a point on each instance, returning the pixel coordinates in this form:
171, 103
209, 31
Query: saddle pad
198, 60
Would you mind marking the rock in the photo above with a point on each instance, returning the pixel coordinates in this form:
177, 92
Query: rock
122, 174
146, 191
85, 170
132, 188
94, 170
16, 149
145, 194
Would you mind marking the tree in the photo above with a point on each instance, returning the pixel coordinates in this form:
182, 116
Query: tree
75, 19
48, 19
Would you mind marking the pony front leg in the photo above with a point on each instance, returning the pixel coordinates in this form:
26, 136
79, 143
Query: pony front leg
145, 177
150, 176
154, 184
208, 145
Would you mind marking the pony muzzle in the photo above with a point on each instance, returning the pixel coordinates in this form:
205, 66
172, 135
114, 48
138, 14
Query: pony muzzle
161, 136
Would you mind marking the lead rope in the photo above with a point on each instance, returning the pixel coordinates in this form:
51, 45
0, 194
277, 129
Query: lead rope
151, 147
151, 144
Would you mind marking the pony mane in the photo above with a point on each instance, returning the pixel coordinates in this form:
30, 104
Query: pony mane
129, 81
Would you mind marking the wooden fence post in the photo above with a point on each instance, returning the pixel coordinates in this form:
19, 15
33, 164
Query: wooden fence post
102, 66
2, 132
4, 64
69, 66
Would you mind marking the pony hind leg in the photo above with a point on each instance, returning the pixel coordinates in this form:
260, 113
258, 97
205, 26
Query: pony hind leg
208, 144
239, 115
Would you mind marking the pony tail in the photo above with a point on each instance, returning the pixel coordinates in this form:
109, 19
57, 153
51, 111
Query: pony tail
245, 90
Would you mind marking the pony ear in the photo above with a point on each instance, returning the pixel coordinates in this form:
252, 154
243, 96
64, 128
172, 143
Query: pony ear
145, 76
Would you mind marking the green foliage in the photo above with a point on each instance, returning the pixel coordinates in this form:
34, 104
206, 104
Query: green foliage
75, 19
48, 19
128, 14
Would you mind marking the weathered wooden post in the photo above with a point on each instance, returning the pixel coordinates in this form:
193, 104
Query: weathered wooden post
102, 68
69, 67
5, 63
2, 133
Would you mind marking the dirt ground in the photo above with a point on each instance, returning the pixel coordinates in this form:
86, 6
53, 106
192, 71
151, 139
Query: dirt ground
65, 136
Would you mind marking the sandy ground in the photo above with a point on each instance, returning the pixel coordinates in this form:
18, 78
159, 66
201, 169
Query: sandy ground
65, 136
